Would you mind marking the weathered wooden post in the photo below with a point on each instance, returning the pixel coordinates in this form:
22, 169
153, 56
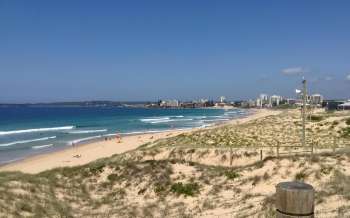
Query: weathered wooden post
261, 156
294, 199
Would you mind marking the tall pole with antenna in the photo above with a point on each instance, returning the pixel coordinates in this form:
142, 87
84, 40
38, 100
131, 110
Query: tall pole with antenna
304, 113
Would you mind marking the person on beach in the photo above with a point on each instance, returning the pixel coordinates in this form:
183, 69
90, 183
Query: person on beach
76, 149
118, 137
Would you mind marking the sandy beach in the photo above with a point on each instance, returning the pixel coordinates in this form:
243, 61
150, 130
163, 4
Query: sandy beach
227, 170
85, 153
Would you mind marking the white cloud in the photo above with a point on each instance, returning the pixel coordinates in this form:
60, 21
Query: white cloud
348, 77
294, 71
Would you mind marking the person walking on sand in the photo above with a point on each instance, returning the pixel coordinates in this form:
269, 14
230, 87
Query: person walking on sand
118, 137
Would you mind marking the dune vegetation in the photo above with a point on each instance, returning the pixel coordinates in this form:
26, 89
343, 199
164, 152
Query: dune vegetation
207, 173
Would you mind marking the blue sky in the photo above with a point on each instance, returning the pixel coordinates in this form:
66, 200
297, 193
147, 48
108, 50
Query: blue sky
184, 49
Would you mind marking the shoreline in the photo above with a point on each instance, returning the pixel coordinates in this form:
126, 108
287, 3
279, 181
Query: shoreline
90, 151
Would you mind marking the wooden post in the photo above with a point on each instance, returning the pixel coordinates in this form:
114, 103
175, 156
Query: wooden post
261, 156
278, 149
294, 199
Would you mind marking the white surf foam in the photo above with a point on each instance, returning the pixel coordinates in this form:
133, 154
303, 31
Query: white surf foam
84, 139
161, 121
27, 141
199, 117
205, 125
216, 120
231, 112
36, 130
217, 116
154, 131
154, 119
87, 131
41, 146
144, 132
111, 134
170, 120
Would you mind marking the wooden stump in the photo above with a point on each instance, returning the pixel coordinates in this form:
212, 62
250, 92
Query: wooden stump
294, 199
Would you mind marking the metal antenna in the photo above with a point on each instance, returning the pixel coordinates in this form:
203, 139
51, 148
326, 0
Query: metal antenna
303, 112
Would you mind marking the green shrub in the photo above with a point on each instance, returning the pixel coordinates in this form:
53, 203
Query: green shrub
346, 132
232, 175
316, 118
23, 206
97, 167
347, 121
301, 176
142, 191
158, 189
189, 189
266, 176
112, 177
326, 170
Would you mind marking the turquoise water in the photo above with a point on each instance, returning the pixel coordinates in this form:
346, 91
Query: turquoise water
26, 131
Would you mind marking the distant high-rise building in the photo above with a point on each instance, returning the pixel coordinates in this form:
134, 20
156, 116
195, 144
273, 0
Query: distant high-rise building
259, 102
203, 101
169, 103
222, 99
264, 97
262, 100
275, 100
316, 99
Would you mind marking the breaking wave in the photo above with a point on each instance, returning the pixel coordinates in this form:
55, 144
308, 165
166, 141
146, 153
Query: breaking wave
36, 130
170, 120
148, 120
41, 146
87, 131
84, 139
27, 141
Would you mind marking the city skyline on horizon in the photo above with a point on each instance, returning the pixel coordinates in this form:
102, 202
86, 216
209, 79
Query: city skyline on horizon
215, 99
145, 51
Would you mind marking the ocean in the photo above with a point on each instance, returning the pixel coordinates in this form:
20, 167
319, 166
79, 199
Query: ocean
26, 131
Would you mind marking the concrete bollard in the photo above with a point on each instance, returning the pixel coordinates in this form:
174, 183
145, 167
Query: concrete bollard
294, 199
